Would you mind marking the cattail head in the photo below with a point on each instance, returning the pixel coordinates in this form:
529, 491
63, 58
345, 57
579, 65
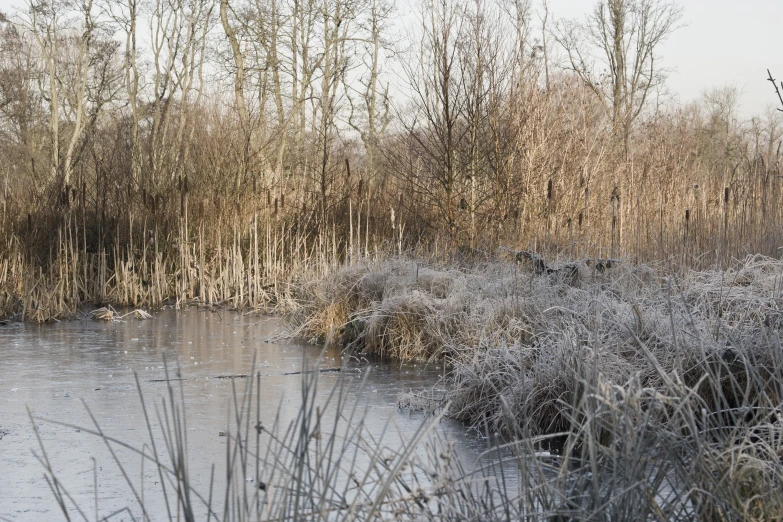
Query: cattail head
580, 218
687, 215
274, 213
282, 201
361, 187
726, 195
549, 190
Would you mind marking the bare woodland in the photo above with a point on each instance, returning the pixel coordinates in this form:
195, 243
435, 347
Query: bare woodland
207, 149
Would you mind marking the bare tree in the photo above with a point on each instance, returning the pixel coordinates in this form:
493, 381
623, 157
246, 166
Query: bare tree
126, 17
68, 47
438, 100
615, 53
179, 29
375, 103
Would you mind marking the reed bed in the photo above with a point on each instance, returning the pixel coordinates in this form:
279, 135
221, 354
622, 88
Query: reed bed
233, 267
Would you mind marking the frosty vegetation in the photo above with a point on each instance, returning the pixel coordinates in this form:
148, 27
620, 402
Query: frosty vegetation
619, 365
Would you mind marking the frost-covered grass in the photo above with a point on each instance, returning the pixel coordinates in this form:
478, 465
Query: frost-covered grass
617, 366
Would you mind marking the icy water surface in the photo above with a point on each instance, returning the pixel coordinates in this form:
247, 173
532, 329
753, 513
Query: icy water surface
53, 368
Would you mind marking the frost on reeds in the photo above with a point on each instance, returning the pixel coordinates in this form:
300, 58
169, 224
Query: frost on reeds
685, 368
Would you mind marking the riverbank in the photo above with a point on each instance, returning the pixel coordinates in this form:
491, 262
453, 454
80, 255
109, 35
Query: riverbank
607, 393
613, 364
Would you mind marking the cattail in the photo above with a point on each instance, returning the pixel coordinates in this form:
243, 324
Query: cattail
579, 219
182, 193
275, 211
361, 187
726, 196
282, 201
549, 190
186, 185
687, 215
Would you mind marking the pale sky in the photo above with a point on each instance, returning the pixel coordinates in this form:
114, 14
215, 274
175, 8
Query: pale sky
720, 43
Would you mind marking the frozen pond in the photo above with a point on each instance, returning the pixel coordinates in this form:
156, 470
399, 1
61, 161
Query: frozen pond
52, 368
